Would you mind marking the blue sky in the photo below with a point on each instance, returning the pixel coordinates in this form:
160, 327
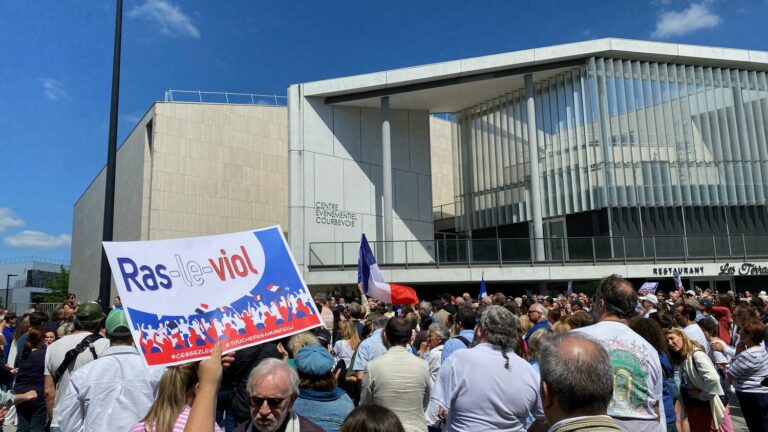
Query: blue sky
56, 57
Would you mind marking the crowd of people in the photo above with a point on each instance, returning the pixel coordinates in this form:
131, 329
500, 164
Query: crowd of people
616, 360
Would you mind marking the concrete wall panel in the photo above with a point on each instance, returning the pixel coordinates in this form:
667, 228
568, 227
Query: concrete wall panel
346, 139
370, 135
406, 191
357, 188
318, 124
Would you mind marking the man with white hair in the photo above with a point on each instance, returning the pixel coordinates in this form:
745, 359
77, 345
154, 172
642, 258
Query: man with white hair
273, 387
537, 313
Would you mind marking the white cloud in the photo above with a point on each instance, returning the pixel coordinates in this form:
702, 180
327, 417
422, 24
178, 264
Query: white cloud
53, 89
131, 118
172, 20
697, 16
37, 240
8, 219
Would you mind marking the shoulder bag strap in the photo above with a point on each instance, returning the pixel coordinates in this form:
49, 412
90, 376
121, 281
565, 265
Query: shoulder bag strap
72, 354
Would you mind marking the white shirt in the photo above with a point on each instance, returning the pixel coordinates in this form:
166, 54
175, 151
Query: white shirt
54, 356
694, 332
343, 351
716, 356
481, 394
638, 380
109, 394
434, 359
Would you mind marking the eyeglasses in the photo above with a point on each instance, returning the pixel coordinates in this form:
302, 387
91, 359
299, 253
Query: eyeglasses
258, 402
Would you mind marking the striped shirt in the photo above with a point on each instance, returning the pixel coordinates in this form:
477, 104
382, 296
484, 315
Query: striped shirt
749, 368
181, 421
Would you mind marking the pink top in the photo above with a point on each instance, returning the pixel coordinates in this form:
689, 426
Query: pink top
181, 421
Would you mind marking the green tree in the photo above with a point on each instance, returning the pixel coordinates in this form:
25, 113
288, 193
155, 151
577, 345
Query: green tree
59, 286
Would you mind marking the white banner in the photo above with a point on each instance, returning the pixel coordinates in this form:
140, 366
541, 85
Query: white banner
183, 295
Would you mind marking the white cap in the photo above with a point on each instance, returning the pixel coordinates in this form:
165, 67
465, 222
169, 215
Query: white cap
651, 298
691, 292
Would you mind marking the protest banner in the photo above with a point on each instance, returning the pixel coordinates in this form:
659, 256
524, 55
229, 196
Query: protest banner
184, 295
648, 288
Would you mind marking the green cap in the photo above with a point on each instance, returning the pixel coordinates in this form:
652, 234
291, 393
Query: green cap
90, 311
117, 324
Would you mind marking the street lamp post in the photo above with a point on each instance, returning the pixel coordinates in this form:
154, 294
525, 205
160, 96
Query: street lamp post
105, 282
8, 287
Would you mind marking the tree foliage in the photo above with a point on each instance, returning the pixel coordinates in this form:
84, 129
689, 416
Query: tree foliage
59, 287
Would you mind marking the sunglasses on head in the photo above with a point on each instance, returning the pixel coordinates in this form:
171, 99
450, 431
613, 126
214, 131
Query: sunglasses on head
271, 402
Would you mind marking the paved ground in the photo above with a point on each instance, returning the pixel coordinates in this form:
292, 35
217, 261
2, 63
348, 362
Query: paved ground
738, 419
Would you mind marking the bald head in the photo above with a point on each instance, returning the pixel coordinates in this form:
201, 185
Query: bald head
587, 392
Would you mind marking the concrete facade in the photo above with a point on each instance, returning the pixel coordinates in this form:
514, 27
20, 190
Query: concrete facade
190, 169
562, 123
336, 179
187, 170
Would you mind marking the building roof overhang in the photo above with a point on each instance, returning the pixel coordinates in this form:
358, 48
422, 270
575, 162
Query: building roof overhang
454, 85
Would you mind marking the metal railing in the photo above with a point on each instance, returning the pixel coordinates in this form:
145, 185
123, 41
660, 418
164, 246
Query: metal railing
557, 251
24, 259
49, 308
197, 96
443, 211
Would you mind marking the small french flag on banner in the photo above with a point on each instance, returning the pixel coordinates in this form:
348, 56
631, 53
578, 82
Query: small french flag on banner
369, 275
223, 308
257, 298
273, 288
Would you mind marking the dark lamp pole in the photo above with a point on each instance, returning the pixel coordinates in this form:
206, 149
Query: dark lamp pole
105, 282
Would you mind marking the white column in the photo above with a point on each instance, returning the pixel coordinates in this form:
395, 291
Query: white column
386, 161
533, 156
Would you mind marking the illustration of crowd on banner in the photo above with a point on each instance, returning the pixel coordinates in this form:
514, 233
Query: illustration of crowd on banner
184, 295
226, 324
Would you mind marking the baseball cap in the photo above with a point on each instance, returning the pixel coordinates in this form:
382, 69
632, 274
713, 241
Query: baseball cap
314, 360
117, 324
706, 303
89, 311
651, 298
690, 292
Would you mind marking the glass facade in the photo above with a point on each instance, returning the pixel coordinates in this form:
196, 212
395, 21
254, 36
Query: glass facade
616, 134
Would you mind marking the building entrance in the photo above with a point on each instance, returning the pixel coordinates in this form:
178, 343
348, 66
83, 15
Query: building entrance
719, 285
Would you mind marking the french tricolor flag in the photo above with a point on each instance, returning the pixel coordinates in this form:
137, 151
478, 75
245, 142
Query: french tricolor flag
369, 275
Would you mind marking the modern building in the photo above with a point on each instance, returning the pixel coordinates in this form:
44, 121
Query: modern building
212, 164
648, 158
25, 279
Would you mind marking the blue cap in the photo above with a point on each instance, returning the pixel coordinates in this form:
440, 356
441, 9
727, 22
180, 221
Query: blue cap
314, 360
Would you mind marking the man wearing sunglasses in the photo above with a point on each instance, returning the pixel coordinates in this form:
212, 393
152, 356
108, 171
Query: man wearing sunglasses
273, 387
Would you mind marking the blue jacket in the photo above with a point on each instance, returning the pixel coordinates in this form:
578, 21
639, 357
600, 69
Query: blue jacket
669, 380
8, 333
326, 409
